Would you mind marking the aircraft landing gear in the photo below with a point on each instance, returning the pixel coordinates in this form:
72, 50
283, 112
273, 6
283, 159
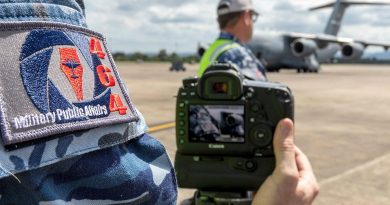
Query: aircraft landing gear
276, 70
305, 70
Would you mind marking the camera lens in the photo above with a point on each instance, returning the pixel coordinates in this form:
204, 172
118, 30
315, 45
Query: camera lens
230, 120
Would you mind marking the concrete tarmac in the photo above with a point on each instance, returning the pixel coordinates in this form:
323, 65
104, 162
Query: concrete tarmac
342, 123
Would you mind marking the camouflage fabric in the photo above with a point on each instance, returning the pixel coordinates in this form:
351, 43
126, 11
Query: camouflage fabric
137, 172
244, 58
65, 146
114, 164
68, 11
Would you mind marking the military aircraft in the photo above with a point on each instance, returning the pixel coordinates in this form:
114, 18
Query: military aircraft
177, 65
305, 52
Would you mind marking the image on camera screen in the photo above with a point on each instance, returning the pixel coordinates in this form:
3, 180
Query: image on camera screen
217, 123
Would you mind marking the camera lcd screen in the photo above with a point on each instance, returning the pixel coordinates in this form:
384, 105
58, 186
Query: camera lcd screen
217, 123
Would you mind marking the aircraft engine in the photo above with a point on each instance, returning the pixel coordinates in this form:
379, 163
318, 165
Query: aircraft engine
352, 51
303, 47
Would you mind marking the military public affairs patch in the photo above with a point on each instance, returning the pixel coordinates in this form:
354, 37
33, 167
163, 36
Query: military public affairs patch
55, 79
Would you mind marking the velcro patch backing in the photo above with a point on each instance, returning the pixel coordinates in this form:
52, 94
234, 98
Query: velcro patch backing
56, 78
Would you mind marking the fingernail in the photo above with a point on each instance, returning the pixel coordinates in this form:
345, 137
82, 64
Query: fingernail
286, 129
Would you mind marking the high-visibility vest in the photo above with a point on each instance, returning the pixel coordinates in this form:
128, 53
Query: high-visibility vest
214, 51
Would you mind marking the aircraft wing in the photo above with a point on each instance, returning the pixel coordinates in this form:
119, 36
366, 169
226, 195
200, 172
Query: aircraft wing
366, 44
325, 39
328, 5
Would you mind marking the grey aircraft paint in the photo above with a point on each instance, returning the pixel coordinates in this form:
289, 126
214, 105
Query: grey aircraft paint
305, 52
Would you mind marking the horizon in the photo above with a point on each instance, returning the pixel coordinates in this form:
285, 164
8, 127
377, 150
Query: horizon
176, 26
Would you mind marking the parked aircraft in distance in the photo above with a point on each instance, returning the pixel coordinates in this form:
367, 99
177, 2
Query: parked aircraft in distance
305, 52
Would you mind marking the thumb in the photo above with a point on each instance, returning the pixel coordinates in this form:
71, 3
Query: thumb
284, 146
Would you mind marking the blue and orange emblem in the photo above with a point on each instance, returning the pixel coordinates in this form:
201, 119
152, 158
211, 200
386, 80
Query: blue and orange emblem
36, 57
67, 87
72, 68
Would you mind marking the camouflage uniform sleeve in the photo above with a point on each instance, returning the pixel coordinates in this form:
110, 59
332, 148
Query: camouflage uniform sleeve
244, 59
136, 172
234, 55
113, 164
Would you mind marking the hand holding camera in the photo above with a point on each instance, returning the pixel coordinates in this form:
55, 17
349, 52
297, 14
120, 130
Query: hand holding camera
293, 181
225, 129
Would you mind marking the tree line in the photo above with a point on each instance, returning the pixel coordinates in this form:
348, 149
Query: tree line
161, 56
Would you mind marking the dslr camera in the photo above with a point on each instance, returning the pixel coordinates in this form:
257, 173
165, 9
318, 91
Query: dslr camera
224, 129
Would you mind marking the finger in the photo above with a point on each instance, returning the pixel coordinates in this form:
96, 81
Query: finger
303, 162
284, 145
304, 168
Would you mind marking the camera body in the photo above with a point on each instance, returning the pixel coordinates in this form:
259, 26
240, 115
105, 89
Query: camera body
224, 127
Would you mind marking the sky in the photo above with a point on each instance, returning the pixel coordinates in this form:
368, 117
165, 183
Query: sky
180, 25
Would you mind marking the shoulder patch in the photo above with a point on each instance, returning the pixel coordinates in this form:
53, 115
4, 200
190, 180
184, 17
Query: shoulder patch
55, 79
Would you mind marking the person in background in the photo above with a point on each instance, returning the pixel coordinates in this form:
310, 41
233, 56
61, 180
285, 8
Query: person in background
49, 48
235, 19
293, 182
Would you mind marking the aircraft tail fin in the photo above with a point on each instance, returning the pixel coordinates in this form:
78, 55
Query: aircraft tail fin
339, 7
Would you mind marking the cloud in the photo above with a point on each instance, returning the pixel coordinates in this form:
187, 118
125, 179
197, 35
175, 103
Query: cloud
177, 25
149, 26
126, 5
370, 16
285, 5
184, 14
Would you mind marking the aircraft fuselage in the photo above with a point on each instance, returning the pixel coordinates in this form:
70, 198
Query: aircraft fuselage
275, 51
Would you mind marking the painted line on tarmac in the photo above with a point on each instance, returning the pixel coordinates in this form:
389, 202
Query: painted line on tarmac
355, 170
161, 127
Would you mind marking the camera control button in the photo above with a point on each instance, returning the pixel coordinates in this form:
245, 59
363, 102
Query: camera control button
240, 164
181, 114
255, 107
250, 93
181, 132
181, 123
261, 136
261, 116
181, 105
284, 97
250, 165
252, 120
